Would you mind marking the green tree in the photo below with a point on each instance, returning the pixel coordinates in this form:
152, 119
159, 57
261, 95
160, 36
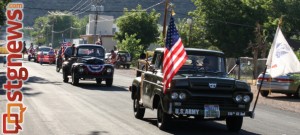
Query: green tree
139, 22
61, 23
131, 44
230, 25
3, 4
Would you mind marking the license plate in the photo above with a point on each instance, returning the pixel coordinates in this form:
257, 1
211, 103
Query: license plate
211, 111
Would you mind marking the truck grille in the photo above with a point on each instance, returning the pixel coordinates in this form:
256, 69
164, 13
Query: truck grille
199, 102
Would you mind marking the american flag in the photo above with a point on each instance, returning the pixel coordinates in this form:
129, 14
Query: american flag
174, 54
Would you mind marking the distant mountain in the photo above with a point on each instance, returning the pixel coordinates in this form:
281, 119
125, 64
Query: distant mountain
36, 8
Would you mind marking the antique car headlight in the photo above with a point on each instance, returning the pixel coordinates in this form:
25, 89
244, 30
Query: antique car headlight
238, 98
246, 98
80, 69
182, 96
174, 95
108, 70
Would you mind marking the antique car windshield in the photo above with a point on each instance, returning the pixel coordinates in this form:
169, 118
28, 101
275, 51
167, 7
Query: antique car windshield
46, 49
90, 51
204, 64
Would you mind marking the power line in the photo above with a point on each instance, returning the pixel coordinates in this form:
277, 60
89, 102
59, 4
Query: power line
85, 9
75, 5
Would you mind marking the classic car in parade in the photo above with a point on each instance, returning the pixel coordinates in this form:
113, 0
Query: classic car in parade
87, 62
200, 90
45, 54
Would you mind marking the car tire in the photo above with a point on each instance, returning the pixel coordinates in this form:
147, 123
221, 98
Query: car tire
65, 77
128, 66
264, 93
163, 119
98, 80
75, 80
138, 111
109, 82
29, 58
234, 124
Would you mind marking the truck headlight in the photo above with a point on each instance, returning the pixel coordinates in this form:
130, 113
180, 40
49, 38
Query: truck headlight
182, 96
238, 98
246, 98
108, 70
80, 69
174, 95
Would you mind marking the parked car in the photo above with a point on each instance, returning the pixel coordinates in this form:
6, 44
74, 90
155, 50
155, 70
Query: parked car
123, 59
88, 63
288, 84
48, 55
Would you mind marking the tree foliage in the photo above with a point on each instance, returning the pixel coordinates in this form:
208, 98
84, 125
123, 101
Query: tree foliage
3, 4
62, 24
230, 24
139, 22
132, 45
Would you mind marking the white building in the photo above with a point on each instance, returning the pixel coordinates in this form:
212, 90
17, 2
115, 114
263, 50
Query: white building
102, 28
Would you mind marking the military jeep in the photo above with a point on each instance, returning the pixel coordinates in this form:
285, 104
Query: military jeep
197, 92
87, 62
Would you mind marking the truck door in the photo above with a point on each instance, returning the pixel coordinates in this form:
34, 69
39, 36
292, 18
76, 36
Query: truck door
150, 80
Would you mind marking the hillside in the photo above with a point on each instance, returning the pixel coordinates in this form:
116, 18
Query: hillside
36, 8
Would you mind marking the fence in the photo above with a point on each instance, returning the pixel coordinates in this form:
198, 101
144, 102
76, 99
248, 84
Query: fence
246, 72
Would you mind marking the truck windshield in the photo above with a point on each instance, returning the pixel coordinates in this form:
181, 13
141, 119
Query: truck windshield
204, 64
88, 51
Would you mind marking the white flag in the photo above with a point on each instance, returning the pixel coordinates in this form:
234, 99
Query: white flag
281, 58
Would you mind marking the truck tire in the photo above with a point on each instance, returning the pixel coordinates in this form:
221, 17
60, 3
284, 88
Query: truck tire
109, 82
297, 94
75, 80
234, 124
163, 119
65, 77
139, 112
128, 66
264, 93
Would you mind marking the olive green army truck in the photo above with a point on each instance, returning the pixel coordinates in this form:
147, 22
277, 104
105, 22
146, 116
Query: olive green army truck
201, 90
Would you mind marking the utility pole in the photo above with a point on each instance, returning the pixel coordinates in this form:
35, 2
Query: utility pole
96, 23
52, 34
165, 19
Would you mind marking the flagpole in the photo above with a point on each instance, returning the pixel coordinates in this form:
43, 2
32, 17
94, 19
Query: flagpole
263, 78
165, 19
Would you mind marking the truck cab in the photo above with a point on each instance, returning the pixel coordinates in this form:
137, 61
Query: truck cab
200, 90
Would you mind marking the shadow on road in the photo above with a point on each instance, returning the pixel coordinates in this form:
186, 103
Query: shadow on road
40, 80
98, 132
285, 98
102, 87
198, 127
30, 92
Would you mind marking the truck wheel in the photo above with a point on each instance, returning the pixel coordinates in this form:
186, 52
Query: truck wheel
138, 111
28, 58
234, 124
75, 80
163, 119
98, 80
109, 82
128, 66
65, 77
264, 93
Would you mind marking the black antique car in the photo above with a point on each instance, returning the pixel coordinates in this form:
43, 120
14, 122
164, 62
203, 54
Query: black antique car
200, 90
87, 62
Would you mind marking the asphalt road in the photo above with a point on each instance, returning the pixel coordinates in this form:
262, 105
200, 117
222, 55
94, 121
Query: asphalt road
54, 107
